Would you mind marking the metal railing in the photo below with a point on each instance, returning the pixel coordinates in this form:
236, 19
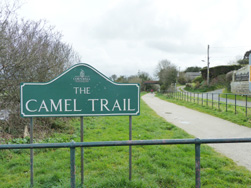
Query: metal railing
74, 145
216, 101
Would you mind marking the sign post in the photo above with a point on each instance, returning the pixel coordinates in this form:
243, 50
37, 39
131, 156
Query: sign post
82, 149
80, 91
31, 152
130, 148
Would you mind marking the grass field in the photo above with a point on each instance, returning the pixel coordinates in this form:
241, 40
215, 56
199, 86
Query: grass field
153, 166
238, 97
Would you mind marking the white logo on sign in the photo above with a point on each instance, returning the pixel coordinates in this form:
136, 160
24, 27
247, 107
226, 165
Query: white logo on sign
82, 77
82, 73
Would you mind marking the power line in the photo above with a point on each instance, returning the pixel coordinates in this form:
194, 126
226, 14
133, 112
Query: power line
216, 57
231, 47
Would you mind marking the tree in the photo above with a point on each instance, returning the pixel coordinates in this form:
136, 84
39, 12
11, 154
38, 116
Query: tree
246, 55
243, 61
193, 69
144, 76
239, 60
166, 72
113, 77
182, 80
29, 52
134, 79
122, 79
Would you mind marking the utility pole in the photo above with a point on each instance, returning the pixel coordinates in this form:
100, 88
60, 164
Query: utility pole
207, 65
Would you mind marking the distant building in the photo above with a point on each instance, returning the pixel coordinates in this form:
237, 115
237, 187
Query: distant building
240, 83
191, 75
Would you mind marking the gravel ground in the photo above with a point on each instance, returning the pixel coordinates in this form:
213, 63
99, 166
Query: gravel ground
203, 125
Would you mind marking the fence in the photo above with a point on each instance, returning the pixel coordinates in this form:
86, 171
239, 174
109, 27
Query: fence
226, 101
73, 146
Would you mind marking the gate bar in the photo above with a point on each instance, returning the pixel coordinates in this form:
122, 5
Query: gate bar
126, 143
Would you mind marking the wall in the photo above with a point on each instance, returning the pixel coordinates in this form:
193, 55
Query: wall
240, 87
191, 75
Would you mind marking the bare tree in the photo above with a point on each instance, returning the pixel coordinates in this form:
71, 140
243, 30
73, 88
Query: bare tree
113, 77
29, 52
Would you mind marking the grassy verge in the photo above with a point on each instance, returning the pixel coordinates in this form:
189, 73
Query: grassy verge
153, 166
202, 89
230, 95
212, 108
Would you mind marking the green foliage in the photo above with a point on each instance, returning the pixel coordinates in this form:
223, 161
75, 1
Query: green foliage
144, 76
193, 69
216, 71
122, 79
198, 79
166, 72
182, 80
197, 87
229, 95
188, 86
140, 78
220, 82
243, 61
25, 140
163, 88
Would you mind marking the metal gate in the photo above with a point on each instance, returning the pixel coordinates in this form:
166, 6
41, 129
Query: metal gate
73, 145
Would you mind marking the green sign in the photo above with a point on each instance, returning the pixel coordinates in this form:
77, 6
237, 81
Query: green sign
79, 91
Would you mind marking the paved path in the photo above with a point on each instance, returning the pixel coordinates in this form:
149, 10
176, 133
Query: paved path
205, 126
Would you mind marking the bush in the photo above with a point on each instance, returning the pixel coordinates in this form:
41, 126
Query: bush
182, 80
200, 85
163, 88
229, 76
197, 85
188, 86
219, 82
198, 79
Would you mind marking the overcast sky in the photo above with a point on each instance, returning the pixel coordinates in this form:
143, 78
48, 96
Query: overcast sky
124, 36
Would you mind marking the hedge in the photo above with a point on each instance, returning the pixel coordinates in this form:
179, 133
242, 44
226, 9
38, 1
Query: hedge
216, 71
